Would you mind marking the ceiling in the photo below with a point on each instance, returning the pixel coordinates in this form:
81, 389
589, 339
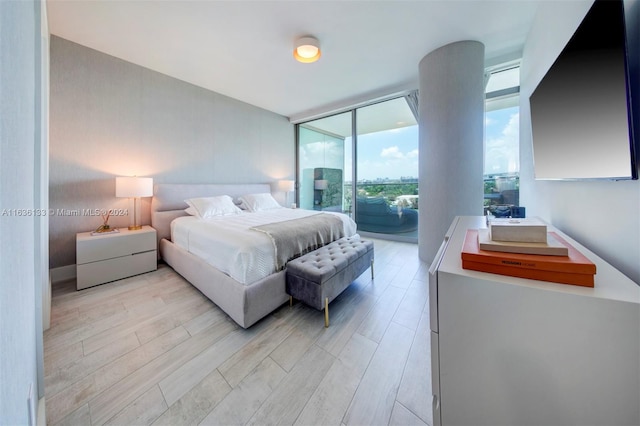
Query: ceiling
243, 49
392, 114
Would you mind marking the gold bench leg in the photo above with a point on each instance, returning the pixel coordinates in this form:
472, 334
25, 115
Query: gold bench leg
290, 301
371, 268
326, 312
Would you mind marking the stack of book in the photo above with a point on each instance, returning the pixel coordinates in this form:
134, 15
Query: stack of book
525, 249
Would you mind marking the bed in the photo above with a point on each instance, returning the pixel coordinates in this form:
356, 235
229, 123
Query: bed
246, 294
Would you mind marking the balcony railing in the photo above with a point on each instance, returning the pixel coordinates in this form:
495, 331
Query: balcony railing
503, 189
405, 193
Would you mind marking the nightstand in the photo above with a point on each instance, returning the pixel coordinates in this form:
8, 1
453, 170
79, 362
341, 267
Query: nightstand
110, 257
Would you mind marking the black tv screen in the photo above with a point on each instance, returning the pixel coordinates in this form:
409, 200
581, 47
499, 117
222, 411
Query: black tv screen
582, 125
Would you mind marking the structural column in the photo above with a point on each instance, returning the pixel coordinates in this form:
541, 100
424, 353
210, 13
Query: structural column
451, 140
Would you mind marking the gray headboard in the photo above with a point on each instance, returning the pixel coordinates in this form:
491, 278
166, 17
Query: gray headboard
168, 200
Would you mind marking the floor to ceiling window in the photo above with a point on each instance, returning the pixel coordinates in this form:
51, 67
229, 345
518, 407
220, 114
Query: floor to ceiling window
324, 164
384, 157
502, 138
370, 170
387, 169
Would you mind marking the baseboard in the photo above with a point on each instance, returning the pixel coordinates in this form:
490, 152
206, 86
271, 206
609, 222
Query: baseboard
41, 416
63, 273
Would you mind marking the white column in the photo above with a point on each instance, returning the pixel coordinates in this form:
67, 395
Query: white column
451, 139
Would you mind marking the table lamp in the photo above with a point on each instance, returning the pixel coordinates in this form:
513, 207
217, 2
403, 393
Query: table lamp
134, 187
285, 186
320, 184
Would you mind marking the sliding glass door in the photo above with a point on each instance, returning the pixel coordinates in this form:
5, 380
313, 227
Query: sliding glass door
385, 158
324, 164
387, 169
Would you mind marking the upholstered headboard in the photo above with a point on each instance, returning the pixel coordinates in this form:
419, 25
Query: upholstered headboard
168, 200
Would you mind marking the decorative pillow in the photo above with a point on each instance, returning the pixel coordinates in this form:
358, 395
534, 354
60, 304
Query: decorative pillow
191, 211
259, 202
213, 206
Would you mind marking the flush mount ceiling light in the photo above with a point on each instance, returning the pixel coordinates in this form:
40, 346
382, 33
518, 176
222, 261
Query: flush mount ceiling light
306, 49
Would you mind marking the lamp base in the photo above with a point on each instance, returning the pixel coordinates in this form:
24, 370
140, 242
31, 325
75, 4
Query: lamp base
135, 228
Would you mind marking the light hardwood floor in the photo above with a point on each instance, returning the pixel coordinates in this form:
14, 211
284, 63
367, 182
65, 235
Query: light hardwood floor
151, 349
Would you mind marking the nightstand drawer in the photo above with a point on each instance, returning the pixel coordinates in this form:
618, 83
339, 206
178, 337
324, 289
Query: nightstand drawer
94, 273
102, 247
113, 256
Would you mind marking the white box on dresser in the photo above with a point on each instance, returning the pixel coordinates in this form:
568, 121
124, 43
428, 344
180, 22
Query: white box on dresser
512, 351
110, 257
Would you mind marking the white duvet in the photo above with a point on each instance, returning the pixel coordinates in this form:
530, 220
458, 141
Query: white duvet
228, 244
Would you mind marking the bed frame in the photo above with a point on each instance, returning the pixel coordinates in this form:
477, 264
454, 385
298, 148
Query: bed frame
245, 304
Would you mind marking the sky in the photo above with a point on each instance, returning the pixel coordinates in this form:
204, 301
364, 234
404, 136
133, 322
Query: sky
394, 154
391, 154
502, 135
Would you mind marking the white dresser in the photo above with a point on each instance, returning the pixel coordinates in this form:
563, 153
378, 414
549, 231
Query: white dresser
512, 351
110, 257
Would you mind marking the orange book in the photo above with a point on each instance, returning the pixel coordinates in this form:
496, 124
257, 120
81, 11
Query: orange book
585, 280
545, 268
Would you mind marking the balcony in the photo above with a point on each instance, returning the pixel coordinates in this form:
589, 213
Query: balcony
501, 190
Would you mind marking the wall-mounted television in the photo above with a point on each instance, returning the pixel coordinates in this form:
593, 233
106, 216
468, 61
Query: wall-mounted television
581, 111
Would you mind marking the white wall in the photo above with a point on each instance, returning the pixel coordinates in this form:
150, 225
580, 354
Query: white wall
19, 141
112, 118
602, 215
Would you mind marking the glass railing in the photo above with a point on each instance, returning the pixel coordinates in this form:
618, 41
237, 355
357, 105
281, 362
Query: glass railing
501, 190
385, 207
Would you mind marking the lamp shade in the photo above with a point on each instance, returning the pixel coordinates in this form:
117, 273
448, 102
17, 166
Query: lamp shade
320, 184
134, 186
285, 185
307, 49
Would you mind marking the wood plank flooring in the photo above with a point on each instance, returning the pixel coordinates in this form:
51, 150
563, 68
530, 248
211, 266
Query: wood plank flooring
151, 349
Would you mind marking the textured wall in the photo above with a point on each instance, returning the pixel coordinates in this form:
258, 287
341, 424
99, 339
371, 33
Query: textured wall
451, 139
18, 138
602, 215
112, 118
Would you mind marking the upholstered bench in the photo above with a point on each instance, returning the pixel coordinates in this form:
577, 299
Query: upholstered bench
318, 277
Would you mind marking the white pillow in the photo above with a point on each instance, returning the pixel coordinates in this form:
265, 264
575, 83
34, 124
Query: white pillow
258, 202
207, 207
191, 211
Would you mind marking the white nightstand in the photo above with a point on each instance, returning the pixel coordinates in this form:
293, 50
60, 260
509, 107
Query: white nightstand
110, 257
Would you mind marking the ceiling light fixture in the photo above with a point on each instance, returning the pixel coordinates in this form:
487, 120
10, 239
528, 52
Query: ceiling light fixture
306, 49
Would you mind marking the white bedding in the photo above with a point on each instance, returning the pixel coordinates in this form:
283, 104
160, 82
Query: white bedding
228, 244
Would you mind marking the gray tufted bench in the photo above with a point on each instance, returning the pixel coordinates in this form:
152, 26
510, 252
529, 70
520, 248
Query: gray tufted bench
318, 277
